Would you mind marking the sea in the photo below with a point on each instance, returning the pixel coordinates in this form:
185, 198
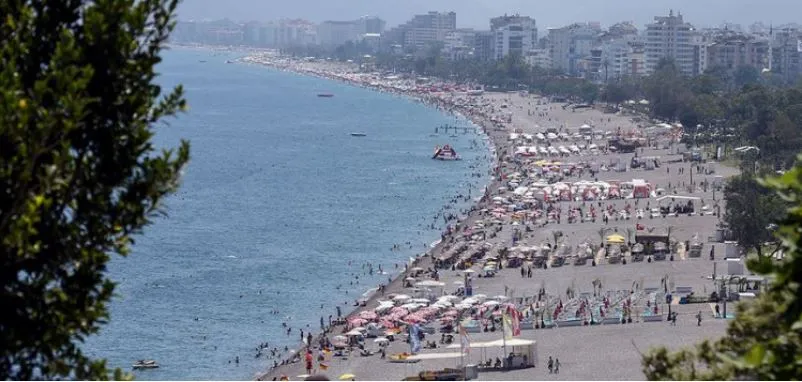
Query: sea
279, 211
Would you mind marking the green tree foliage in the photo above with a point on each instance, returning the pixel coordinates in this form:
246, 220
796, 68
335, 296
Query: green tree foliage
79, 173
750, 211
746, 75
764, 341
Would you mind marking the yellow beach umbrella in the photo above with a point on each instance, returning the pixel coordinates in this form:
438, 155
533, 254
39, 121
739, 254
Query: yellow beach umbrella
616, 239
347, 376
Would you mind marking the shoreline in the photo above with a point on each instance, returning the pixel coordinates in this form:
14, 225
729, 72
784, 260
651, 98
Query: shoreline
514, 122
484, 126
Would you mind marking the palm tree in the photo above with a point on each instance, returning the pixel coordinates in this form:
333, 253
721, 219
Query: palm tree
606, 65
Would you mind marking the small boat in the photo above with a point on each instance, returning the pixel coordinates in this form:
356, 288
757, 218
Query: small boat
229, 62
358, 134
202, 61
445, 153
145, 364
325, 95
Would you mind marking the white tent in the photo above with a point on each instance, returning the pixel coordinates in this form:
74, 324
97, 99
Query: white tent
497, 343
422, 357
430, 283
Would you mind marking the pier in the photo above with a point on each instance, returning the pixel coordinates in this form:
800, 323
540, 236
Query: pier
447, 127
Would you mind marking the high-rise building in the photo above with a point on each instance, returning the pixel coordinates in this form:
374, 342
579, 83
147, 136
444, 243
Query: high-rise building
423, 30
483, 45
539, 57
617, 48
513, 35
701, 49
670, 37
786, 53
251, 33
336, 33
733, 52
570, 45
458, 44
371, 24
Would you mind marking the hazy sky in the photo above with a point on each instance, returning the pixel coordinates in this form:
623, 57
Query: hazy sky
475, 13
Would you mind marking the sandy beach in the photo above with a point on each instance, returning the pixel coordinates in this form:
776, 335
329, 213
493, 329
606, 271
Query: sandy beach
569, 191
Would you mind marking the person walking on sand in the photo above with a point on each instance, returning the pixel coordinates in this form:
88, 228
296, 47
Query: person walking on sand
699, 318
551, 365
556, 366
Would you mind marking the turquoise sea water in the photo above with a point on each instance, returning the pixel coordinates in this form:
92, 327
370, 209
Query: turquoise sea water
276, 202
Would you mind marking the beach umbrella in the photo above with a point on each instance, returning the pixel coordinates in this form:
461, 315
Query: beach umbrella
381, 340
353, 333
347, 376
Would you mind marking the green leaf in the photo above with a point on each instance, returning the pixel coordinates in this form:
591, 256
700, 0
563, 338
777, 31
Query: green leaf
755, 355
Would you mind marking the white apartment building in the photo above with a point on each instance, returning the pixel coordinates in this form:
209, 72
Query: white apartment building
621, 57
513, 35
701, 45
458, 44
540, 58
670, 37
570, 45
423, 30
336, 33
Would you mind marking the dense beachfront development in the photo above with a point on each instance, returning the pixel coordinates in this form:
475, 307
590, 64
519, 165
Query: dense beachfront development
597, 228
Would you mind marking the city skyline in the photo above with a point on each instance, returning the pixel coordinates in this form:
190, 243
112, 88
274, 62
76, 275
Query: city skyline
476, 13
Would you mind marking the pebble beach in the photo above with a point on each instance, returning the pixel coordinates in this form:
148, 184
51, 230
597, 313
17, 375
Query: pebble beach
540, 242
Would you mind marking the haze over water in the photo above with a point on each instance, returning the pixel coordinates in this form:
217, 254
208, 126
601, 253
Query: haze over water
277, 199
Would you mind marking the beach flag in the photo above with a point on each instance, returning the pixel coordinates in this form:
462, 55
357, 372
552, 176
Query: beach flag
464, 340
507, 326
414, 339
515, 321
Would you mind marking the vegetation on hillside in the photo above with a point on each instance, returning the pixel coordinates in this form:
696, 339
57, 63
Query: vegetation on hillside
80, 175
